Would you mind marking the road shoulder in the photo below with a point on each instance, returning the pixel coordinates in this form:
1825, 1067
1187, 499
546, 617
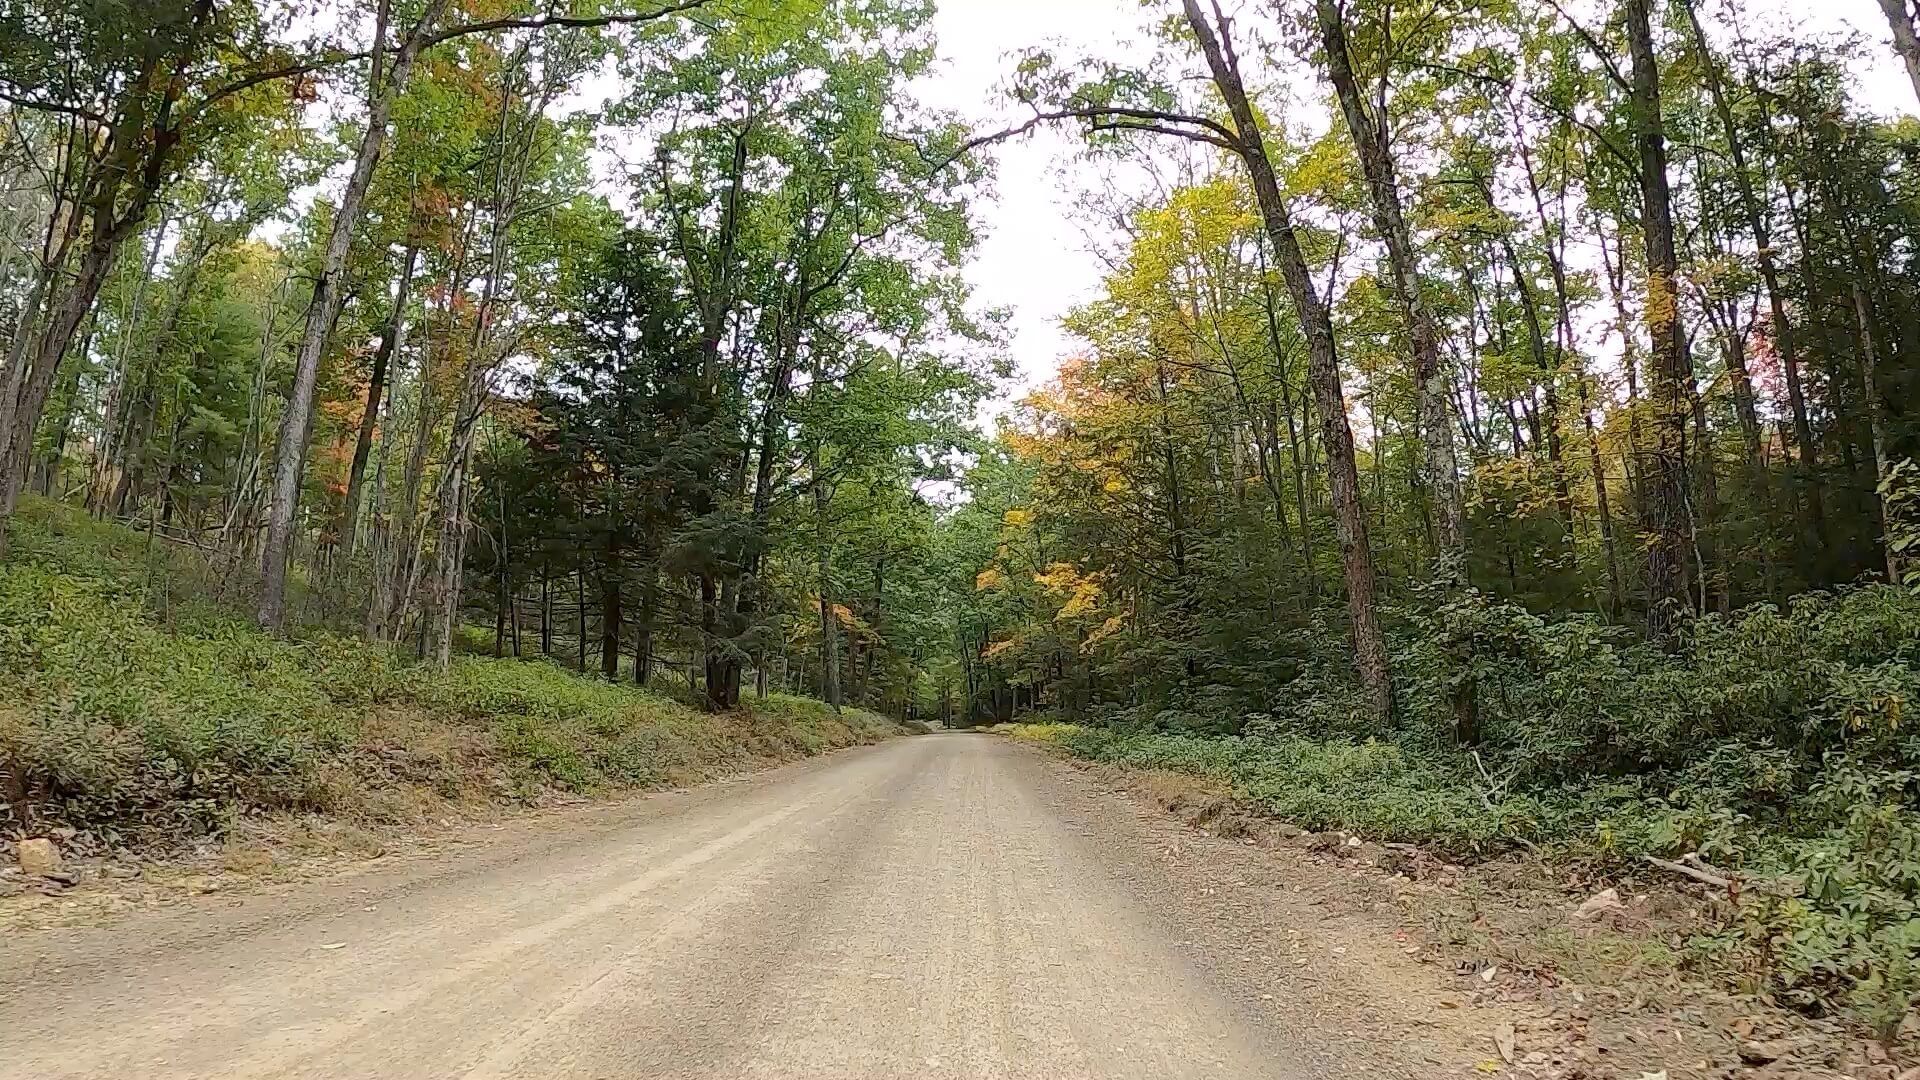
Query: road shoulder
1313, 952
1483, 971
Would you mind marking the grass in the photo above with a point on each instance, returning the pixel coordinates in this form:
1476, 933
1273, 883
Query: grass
139, 710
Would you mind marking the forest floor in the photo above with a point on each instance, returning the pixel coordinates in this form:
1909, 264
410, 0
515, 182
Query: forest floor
948, 905
1539, 972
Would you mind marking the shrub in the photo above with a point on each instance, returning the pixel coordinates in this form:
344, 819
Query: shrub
1774, 741
152, 729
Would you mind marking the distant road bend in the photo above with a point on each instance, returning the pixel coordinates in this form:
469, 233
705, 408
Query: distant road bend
922, 908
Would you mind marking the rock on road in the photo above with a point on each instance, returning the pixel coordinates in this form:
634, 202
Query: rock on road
927, 908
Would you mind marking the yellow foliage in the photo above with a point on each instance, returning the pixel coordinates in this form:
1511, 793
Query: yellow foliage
1106, 630
1044, 733
1082, 602
989, 579
1059, 579
1662, 303
999, 648
1018, 518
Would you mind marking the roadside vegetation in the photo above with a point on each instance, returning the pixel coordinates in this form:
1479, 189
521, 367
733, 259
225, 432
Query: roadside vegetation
1766, 756
139, 713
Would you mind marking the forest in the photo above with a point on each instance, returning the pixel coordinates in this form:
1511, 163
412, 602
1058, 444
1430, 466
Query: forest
1495, 426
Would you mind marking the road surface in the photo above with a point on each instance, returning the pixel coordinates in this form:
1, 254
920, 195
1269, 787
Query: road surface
928, 908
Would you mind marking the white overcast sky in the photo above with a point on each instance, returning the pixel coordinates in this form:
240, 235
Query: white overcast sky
1035, 259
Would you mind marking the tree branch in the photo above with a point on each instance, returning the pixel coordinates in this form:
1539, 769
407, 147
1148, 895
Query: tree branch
542, 22
1593, 45
1162, 129
1106, 118
290, 71
51, 106
1507, 85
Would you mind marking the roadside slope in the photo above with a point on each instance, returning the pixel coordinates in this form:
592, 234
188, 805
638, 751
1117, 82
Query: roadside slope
139, 714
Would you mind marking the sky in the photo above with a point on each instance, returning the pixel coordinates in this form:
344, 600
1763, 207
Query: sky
1035, 258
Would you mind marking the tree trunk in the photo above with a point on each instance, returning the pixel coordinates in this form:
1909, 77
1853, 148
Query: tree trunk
30, 379
105, 447
1440, 469
1294, 454
1785, 339
1369, 642
500, 617
1176, 511
329, 294
829, 621
610, 615
396, 594
1670, 373
643, 632
1549, 367
1616, 590
546, 610
1876, 424
1900, 21
136, 148
392, 340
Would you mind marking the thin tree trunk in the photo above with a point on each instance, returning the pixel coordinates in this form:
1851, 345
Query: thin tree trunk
1900, 21
392, 340
829, 621
1876, 423
1440, 468
643, 632
1370, 652
106, 445
329, 294
610, 615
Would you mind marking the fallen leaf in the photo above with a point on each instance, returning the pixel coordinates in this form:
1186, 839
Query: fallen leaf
1661, 1075
1488, 1066
335, 945
1503, 1042
1489, 973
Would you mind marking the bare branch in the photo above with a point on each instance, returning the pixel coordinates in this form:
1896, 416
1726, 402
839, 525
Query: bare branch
542, 22
1107, 118
37, 105
1507, 85
1162, 129
1693, 872
1593, 44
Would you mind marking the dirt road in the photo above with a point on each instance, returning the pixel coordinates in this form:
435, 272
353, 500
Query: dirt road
944, 906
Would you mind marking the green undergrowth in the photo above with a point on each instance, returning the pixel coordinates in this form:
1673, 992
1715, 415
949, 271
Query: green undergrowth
138, 709
1772, 743
1844, 935
1380, 790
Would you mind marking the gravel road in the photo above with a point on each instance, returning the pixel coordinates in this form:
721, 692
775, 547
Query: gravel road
935, 907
